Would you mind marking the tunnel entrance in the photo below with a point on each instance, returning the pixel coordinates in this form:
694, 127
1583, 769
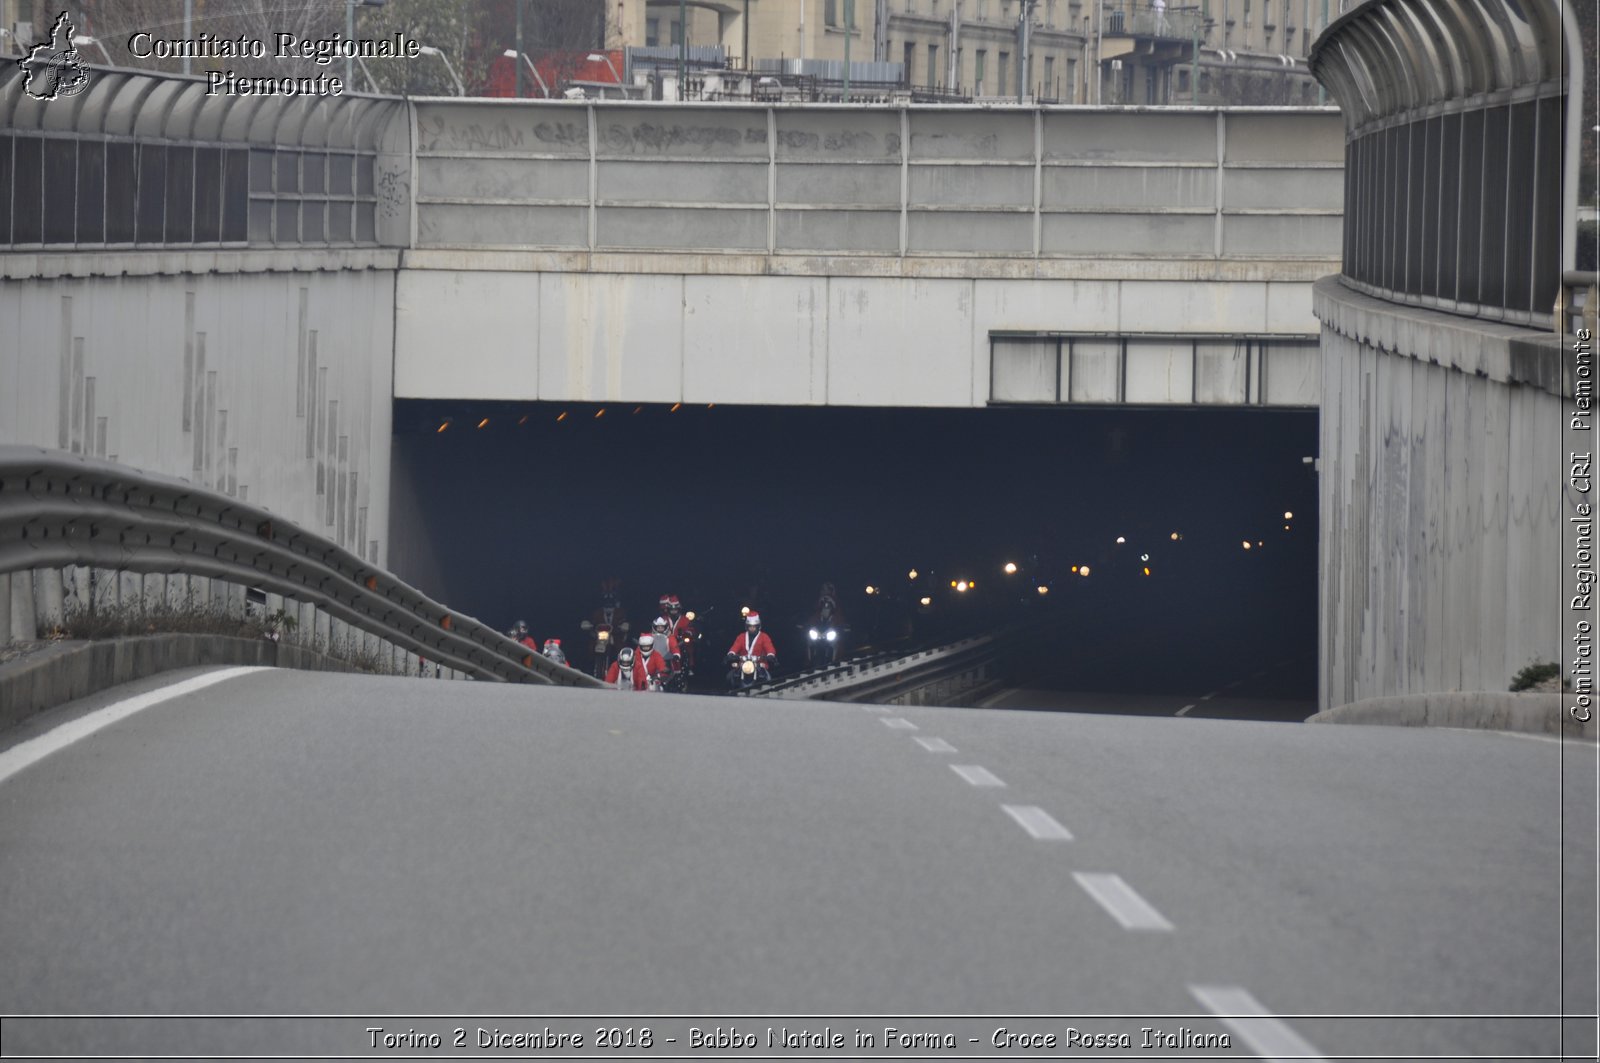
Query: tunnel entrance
1174, 547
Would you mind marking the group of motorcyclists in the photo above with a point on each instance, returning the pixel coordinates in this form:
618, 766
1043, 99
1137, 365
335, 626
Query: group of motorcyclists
663, 658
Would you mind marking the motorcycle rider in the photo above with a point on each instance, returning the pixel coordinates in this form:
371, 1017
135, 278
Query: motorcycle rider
552, 650
682, 629
753, 643
609, 617
519, 632
641, 670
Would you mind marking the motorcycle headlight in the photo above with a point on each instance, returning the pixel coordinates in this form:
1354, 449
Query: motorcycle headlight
748, 668
814, 635
603, 636
832, 634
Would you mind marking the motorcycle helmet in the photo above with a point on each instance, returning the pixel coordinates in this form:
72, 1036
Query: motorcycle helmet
660, 626
674, 607
519, 629
752, 622
625, 658
647, 643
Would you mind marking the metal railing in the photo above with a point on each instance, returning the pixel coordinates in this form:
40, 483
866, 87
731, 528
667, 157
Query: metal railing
944, 675
59, 510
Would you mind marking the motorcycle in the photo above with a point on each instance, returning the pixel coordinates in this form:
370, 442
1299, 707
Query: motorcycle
605, 642
748, 672
822, 646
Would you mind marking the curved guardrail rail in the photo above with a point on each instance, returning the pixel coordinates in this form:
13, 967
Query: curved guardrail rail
61, 509
926, 677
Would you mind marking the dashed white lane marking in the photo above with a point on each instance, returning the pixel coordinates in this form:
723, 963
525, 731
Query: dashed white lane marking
1208, 697
1037, 822
935, 745
1118, 898
1235, 683
1184, 711
34, 750
899, 724
1247, 1017
977, 776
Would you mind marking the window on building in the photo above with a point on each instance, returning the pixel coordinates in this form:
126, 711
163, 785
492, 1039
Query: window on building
977, 71
677, 32
1072, 80
1051, 89
1049, 13
652, 32
935, 75
983, 10
909, 54
830, 13
961, 69
1003, 83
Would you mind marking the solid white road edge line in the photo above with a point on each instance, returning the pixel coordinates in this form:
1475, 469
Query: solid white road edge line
1118, 898
1037, 822
935, 745
977, 776
1246, 1016
34, 750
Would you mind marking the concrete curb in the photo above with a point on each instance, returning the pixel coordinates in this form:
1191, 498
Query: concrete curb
1491, 710
71, 670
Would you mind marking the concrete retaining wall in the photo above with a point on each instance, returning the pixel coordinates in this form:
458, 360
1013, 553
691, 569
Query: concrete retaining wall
261, 375
1444, 505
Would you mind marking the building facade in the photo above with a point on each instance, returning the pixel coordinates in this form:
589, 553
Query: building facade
1205, 51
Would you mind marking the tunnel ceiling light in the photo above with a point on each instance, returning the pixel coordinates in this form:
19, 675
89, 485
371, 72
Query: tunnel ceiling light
675, 407
562, 416
638, 409
522, 420
483, 422
601, 412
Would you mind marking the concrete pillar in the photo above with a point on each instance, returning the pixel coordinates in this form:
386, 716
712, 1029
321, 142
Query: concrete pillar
18, 605
338, 637
130, 592
5, 610
49, 599
153, 593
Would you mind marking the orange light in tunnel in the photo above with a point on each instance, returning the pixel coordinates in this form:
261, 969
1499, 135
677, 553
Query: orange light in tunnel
483, 422
601, 412
562, 416
1147, 570
522, 420
638, 409
443, 425
675, 406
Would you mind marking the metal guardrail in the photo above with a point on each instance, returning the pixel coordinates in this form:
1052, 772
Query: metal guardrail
60, 509
959, 667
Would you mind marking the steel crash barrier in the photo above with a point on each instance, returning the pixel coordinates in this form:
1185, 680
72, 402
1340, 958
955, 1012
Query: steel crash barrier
955, 674
62, 512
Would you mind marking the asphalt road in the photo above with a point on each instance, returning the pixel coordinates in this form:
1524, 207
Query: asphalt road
299, 843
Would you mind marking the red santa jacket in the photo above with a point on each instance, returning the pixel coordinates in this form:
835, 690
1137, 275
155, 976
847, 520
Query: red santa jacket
760, 648
643, 671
